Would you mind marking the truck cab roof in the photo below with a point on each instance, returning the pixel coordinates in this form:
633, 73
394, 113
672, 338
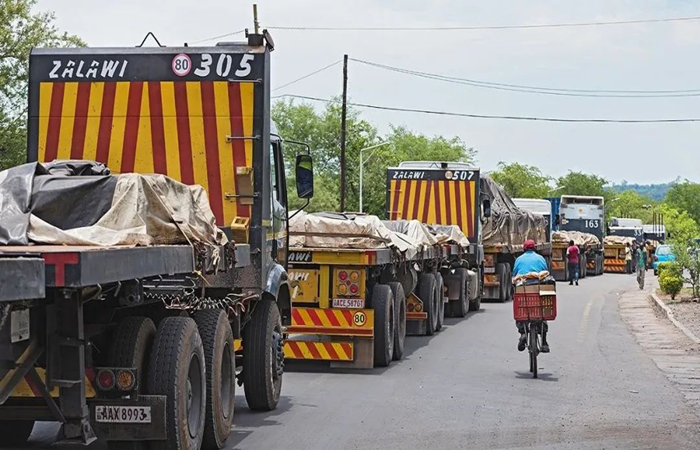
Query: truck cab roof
439, 165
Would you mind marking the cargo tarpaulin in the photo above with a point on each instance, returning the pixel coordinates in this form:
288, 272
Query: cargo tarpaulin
79, 203
509, 226
618, 240
579, 238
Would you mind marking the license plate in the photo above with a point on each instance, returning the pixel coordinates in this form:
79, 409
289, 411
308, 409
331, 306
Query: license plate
123, 414
489, 270
19, 325
349, 303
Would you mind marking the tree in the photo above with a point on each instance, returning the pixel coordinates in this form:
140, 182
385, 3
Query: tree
633, 205
321, 130
21, 29
522, 181
684, 197
579, 183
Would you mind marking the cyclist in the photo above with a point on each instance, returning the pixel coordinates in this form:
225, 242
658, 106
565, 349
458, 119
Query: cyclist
528, 262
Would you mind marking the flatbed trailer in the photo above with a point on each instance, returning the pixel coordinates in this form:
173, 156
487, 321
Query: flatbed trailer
354, 308
498, 268
133, 328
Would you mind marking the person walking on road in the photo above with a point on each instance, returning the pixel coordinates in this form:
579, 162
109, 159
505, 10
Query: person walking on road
628, 258
529, 262
572, 262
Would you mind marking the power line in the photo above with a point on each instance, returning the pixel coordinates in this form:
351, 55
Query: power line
487, 116
217, 37
308, 75
490, 27
538, 89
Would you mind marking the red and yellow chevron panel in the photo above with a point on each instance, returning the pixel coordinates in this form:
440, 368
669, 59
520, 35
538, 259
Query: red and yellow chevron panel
615, 266
26, 388
336, 322
434, 201
179, 129
321, 351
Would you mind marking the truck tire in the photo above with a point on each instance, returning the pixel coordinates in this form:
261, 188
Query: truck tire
384, 324
217, 338
177, 370
440, 294
263, 357
131, 347
508, 280
475, 304
426, 292
459, 307
400, 313
501, 272
15, 433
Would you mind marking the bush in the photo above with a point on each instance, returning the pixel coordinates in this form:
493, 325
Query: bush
670, 283
672, 268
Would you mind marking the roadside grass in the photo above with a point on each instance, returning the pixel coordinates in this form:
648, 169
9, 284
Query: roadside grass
685, 296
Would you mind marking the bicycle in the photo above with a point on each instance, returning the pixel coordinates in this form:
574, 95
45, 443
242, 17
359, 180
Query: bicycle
534, 343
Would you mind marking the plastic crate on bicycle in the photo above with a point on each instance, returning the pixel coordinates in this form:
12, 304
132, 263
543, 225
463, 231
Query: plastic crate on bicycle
535, 299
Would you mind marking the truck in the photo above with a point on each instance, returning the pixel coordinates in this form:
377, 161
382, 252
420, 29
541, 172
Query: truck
585, 214
137, 344
453, 193
626, 227
540, 207
590, 248
360, 285
442, 193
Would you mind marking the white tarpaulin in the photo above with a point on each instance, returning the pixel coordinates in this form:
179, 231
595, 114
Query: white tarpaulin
579, 238
618, 240
145, 210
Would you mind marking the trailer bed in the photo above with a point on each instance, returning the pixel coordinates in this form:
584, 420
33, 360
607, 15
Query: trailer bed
81, 266
21, 278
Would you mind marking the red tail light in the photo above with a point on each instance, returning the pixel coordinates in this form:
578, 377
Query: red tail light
106, 379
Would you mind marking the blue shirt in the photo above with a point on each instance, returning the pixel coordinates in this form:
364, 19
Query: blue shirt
528, 262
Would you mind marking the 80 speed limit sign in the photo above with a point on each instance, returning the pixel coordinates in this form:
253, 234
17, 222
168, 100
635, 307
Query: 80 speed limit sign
182, 64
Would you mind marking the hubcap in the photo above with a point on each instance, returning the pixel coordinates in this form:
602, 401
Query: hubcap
193, 391
277, 355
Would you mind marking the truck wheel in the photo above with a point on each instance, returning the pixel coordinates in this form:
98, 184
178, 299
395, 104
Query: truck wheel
460, 306
475, 305
15, 433
217, 338
440, 294
583, 269
131, 347
508, 281
384, 324
501, 272
263, 357
426, 292
400, 313
177, 370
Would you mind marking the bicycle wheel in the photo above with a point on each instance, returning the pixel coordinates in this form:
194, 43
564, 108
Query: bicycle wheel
534, 349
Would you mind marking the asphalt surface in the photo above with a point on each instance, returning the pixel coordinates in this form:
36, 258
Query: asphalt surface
468, 387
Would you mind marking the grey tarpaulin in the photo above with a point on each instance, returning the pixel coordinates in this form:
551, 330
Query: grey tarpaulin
58, 192
509, 226
82, 205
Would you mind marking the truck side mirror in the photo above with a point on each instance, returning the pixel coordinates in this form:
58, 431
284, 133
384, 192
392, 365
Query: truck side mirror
305, 176
487, 207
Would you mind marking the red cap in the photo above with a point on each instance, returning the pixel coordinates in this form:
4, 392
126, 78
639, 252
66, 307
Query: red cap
529, 244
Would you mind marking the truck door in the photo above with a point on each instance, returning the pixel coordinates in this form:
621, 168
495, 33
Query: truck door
278, 193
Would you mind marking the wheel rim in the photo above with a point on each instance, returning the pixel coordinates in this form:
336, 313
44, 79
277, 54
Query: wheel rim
226, 381
390, 330
276, 356
194, 395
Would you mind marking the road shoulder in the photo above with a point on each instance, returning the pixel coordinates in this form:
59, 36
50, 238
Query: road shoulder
673, 352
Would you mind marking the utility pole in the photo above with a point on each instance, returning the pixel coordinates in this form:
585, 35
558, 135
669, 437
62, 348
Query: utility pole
342, 133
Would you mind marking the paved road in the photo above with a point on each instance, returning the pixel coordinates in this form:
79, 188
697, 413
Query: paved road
468, 387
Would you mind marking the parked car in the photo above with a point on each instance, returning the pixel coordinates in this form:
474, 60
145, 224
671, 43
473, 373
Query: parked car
664, 253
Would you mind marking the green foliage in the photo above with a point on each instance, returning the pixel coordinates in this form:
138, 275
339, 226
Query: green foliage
656, 192
579, 183
321, 130
670, 268
21, 29
631, 204
684, 197
670, 283
522, 181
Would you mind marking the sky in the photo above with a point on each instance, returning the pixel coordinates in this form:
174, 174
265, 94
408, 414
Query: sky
658, 56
